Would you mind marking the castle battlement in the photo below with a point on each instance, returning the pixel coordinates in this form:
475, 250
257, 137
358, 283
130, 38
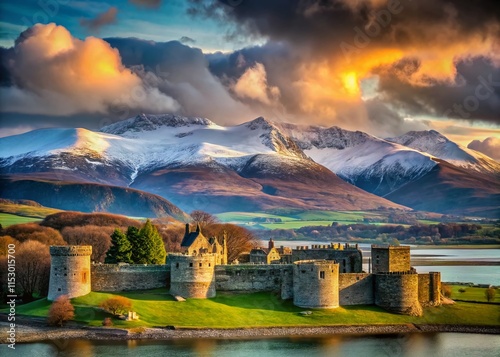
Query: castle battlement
70, 250
325, 276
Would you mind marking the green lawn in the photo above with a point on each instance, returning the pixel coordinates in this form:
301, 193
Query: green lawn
7, 219
157, 308
472, 294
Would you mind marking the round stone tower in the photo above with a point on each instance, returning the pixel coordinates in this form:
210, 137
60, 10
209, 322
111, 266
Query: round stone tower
192, 276
316, 284
398, 292
69, 271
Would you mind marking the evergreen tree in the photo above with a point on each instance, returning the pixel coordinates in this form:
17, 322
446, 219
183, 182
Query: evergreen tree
154, 252
133, 238
120, 250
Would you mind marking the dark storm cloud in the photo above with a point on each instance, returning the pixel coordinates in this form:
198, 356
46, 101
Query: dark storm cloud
428, 39
106, 18
475, 93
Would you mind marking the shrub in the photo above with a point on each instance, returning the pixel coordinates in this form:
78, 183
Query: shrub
116, 305
107, 321
60, 311
490, 294
446, 290
462, 290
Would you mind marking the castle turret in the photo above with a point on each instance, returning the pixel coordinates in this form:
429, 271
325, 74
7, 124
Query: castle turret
192, 276
69, 271
316, 284
270, 244
398, 292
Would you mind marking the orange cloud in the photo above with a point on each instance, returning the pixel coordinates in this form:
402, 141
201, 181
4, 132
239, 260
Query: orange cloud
57, 74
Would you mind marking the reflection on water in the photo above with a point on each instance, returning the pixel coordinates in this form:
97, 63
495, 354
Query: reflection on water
411, 345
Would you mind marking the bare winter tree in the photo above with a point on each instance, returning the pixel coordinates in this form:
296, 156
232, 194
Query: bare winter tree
239, 239
98, 237
32, 268
203, 218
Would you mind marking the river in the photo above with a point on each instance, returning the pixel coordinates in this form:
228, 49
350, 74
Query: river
410, 345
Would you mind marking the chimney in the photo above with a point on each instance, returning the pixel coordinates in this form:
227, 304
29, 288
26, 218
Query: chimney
187, 229
271, 244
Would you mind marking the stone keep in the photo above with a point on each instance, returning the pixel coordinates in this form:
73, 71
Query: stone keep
192, 276
316, 284
69, 271
387, 259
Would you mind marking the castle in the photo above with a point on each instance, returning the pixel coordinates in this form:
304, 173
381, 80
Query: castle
321, 276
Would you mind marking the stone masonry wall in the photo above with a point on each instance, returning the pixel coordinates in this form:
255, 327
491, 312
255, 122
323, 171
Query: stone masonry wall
251, 277
113, 277
356, 289
349, 260
69, 271
429, 293
398, 292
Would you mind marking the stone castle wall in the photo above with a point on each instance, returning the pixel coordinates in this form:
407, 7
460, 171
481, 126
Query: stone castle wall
429, 289
69, 271
125, 277
350, 259
356, 289
251, 277
398, 292
316, 284
192, 276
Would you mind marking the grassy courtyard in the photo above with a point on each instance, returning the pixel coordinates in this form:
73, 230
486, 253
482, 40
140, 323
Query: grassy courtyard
157, 308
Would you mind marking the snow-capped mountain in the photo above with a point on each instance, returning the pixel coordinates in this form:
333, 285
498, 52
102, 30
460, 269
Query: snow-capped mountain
437, 145
371, 163
257, 165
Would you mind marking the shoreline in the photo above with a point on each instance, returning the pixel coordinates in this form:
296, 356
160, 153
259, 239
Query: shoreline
32, 334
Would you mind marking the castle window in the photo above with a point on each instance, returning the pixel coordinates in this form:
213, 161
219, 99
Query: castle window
59, 289
303, 271
201, 265
209, 264
321, 274
357, 278
65, 274
177, 265
190, 264
84, 277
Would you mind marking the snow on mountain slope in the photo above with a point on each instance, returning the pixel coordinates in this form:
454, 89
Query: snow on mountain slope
373, 164
150, 141
436, 144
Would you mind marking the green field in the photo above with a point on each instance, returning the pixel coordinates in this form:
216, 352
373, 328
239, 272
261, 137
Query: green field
294, 218
157, 308
472, 294
7, 219
27, 210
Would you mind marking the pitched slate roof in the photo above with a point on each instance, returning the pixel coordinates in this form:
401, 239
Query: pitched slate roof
189, 239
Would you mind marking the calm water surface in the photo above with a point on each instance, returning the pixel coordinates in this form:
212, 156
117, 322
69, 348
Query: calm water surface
414, 345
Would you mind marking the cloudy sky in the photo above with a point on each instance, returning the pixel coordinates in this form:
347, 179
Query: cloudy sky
381, 66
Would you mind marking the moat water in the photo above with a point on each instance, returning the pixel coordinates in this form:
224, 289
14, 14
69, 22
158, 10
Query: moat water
478, 274
412, 345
